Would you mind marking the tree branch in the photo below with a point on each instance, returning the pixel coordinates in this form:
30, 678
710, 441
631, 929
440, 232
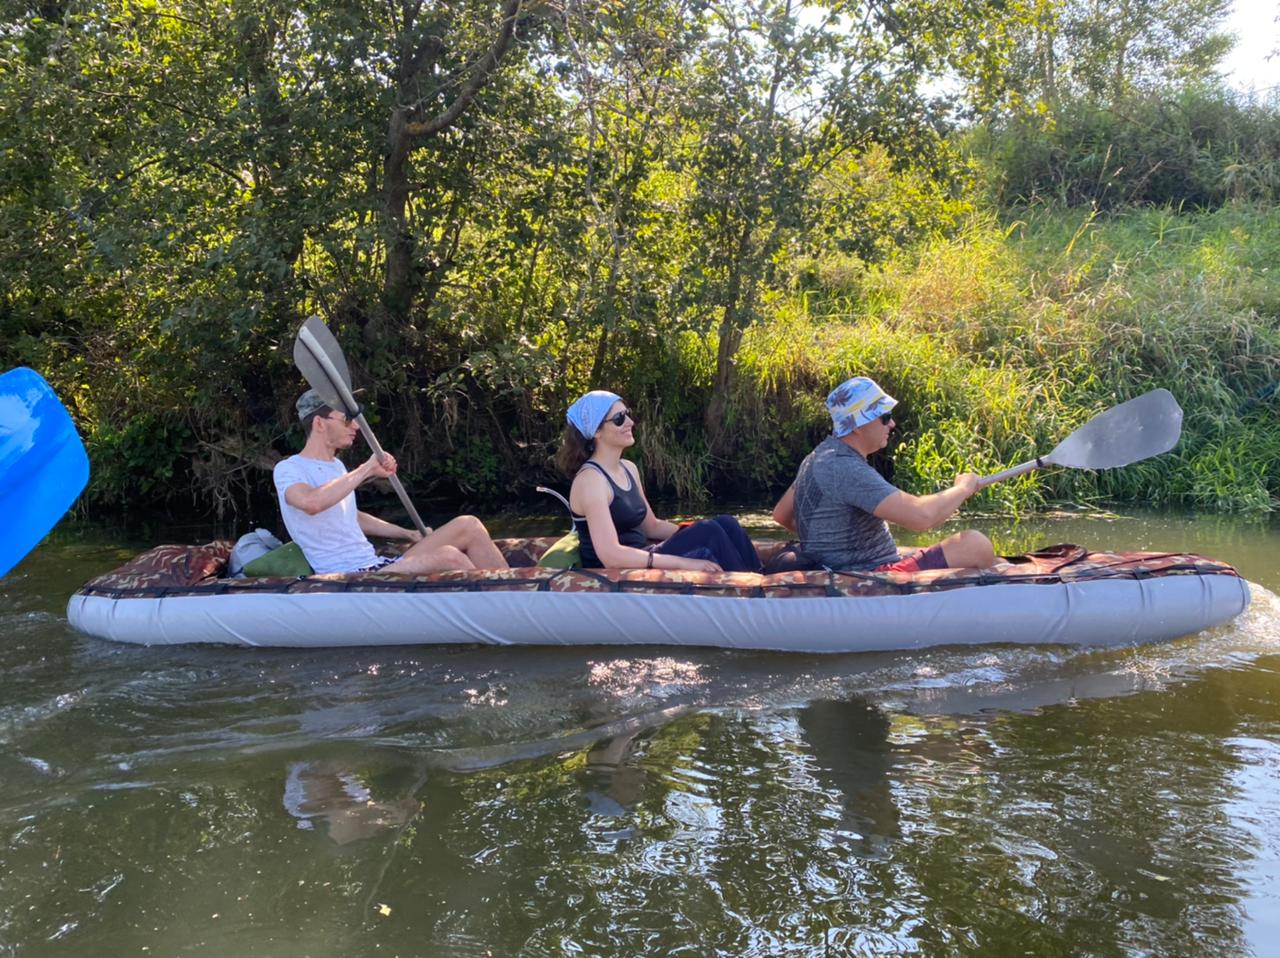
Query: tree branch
484, 69
146, 99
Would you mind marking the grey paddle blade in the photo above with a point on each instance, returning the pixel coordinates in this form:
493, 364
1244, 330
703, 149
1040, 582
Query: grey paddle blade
313, 346
1134, 430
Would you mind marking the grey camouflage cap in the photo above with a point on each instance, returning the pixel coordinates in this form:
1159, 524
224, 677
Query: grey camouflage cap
308, 403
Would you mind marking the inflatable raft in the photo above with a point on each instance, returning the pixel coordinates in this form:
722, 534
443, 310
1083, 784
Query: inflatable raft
1064, 594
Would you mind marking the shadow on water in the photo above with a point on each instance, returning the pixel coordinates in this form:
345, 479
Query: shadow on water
472, 801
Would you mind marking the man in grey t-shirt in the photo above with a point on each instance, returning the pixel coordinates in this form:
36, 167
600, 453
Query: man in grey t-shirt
841, 506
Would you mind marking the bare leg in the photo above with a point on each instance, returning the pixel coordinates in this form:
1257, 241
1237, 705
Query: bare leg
969, 549
439, 559
466, 535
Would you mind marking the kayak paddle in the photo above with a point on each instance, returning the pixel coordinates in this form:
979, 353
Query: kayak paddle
1130, 432
319, 358
43, 466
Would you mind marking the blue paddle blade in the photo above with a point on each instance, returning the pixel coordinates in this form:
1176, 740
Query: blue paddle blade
43, 466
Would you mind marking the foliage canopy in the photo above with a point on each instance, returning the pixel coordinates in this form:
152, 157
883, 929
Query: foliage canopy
497, 206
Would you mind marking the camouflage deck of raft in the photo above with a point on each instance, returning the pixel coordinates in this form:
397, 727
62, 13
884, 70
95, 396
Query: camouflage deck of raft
181, 570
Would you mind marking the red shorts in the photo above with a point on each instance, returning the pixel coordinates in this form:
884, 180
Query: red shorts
920, 561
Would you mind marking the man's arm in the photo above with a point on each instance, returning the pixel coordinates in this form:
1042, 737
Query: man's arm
920, 513
373, 526
784, 513
315, 499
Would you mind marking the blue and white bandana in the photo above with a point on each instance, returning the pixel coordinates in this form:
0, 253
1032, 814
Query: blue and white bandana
855, 402
589, 410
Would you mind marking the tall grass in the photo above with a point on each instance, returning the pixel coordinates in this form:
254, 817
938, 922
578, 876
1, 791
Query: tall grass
999, 341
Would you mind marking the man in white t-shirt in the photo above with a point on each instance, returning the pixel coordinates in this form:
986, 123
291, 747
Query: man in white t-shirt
318, 502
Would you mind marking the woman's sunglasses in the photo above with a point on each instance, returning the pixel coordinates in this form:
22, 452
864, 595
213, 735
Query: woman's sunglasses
621, 416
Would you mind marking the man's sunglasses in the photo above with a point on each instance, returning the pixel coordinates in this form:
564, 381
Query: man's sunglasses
341, 417
621, 416
886, 418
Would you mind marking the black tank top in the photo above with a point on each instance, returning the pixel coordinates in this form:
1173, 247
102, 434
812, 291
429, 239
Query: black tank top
627, 511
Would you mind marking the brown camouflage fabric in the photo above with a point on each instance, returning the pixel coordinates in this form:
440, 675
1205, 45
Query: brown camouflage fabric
174, 566
194, 570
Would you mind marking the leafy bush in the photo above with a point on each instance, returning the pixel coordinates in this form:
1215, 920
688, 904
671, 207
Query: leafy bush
1196, 147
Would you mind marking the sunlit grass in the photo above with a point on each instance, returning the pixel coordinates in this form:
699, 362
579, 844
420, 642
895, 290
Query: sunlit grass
1001, 340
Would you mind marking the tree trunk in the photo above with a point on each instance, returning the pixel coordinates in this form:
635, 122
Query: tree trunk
408, 129
1049, 67
730, 338
746, 263
398, 288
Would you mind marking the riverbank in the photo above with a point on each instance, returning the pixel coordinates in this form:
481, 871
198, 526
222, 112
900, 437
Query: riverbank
998, 340
1001, 340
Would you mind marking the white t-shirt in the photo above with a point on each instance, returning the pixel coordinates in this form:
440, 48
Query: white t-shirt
331, 540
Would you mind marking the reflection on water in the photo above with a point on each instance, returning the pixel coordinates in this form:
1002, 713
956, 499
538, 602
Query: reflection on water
852, 757
339, 799
468, 801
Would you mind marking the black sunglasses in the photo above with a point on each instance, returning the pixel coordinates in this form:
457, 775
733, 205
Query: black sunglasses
621, 416
886, 418
341, 417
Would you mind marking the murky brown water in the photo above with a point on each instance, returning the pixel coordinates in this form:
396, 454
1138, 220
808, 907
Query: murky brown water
454, 802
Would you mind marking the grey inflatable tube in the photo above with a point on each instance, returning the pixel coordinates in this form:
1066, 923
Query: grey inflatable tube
1097, 613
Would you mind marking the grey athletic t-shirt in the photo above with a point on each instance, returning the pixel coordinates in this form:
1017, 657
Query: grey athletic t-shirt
836, 493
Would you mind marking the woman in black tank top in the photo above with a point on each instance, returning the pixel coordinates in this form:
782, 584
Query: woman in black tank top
616, 526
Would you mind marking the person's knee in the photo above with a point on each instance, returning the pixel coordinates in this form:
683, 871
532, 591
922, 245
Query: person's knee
976, 548
977, 540
464, 530
732, 528
715, 535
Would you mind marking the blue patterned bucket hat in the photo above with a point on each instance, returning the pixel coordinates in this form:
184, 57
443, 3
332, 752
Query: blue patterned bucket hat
855, 402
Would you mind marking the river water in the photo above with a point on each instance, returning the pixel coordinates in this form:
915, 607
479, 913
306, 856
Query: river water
465, 801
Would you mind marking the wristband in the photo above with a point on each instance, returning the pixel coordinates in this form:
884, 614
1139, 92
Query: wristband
650, 565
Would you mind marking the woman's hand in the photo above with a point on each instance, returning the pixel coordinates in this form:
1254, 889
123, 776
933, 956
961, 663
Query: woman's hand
699, 565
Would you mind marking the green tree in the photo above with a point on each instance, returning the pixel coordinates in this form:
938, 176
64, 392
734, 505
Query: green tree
493, 204
1108, 51
441, 60
779, 96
